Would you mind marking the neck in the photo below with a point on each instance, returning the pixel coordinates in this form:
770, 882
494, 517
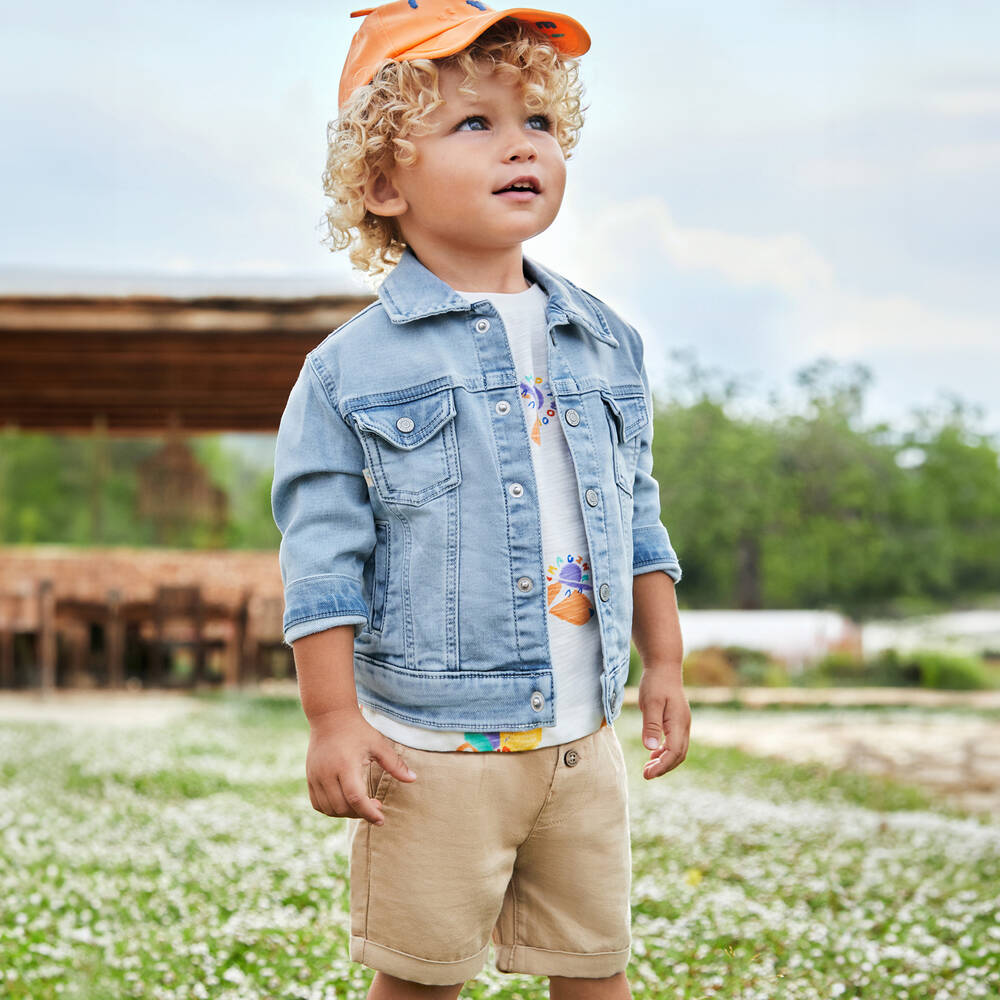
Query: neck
487, 271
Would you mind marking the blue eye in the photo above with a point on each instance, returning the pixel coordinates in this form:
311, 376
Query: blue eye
477, 123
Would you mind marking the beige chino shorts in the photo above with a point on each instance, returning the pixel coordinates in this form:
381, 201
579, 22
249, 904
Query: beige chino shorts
530, 848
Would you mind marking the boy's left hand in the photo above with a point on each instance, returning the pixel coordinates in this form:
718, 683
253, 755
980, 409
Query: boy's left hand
665, 710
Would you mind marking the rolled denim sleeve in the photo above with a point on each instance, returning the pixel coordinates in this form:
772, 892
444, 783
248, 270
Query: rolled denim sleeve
320, 504
651, 548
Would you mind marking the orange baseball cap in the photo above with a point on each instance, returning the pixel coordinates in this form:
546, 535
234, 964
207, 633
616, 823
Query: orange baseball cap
430, 29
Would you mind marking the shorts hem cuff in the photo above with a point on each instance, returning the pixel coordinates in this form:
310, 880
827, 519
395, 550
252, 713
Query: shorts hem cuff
540, 962
413, 968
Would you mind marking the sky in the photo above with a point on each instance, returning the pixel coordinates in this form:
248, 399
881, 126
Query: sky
759, 185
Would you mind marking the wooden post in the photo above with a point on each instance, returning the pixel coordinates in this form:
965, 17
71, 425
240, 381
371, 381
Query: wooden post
199, 632
238, 662
156, 653
7, 640
114, 641
47, 635
78, 639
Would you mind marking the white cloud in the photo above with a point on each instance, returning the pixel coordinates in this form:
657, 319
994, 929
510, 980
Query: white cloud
843, 173
850, 325
960, 158
823, 316
983, 101
785, 261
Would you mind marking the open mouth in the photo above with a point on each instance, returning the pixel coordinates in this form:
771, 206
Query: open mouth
522, 185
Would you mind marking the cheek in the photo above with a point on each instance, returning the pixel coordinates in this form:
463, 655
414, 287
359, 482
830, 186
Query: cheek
447, 184
557, 172
431, 194
555, 161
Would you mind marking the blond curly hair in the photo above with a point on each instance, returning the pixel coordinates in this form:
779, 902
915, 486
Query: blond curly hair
370, 132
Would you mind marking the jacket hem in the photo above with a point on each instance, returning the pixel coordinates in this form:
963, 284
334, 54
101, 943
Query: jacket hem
475, 701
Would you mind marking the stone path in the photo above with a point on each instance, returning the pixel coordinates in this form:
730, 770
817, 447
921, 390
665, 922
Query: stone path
97, 708
957, 756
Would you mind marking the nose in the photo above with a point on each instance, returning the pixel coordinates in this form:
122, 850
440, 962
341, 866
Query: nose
520, 148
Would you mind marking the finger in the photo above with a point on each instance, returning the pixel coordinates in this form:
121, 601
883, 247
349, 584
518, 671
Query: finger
652, 715
358, 802
671, 726
319, 799
394, 763
337, 803
678, 736
654, 769
667, 762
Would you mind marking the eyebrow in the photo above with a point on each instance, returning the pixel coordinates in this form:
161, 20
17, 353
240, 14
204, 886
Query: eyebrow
479, 102
465, 99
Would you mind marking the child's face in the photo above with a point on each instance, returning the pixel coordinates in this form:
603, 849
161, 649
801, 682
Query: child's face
447, 203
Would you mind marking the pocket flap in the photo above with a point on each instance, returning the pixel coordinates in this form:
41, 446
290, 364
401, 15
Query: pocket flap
408, 424
628, 407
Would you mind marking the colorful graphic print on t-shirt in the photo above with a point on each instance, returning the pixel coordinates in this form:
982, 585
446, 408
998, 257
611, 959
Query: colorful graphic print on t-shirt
506, 742
569, 590
540, 399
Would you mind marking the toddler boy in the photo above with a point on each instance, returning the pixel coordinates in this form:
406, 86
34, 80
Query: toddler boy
470, 525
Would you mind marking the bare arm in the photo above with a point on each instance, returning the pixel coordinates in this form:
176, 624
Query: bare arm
341, 741
657, 633
656, 627
324, 665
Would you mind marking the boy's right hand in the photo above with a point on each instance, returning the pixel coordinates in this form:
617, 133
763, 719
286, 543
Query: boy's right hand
341, 745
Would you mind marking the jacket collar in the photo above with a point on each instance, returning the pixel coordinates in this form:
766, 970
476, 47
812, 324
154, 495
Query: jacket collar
411, 291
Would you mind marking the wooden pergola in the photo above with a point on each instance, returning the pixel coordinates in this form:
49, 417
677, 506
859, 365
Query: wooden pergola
145, 365
142, 364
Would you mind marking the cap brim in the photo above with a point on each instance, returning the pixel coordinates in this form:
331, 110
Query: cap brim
566, 34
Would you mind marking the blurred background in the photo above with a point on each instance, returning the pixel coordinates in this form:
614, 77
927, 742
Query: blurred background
795, 203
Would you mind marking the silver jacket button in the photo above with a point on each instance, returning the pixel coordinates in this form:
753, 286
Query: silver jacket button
503, 406
524, 584
591, 496
605, 592
612, 700
404, 424
482, 325
571, 757
572, 418
537, 701
516, 489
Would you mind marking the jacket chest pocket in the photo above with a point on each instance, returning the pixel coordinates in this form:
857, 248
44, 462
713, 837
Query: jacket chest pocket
627, 415
411, 447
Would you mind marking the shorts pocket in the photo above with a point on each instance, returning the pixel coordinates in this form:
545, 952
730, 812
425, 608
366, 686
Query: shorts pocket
379, 779
411, 446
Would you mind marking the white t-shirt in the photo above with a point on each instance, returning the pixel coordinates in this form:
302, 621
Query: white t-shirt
574, 638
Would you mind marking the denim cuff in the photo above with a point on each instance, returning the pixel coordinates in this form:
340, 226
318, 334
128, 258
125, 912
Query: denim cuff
316, 603
651, 549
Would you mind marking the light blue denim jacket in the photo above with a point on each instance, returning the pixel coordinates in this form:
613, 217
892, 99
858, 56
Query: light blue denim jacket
405, 495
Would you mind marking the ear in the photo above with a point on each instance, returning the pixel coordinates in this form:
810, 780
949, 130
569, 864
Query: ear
382, 198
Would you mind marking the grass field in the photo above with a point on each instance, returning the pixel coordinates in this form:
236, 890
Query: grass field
186, 861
